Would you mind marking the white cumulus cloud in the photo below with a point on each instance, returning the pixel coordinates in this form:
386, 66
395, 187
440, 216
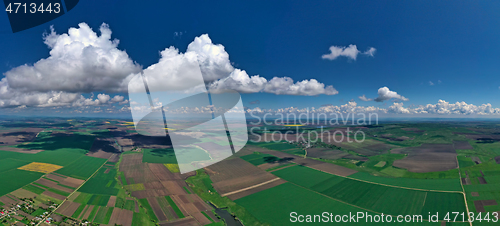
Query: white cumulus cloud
350, 52
384, 94
79, 61
240, 81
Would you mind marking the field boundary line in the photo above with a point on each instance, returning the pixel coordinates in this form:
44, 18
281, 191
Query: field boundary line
76, 189
417, 189
351, 203
294, 164
388, 185
251, 187
463, 189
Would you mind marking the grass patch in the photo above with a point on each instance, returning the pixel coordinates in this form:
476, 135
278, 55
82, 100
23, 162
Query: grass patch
135, 187
380, 164
38, 212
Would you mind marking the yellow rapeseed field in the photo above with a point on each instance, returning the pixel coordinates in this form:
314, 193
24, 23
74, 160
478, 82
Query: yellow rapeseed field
40, 167
174, 168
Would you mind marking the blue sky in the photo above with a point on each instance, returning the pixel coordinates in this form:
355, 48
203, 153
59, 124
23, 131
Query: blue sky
416, 43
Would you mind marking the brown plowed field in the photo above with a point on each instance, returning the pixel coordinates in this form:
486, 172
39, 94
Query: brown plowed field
428, 158
53, 184
72, 182
21, 193
55, 177
150, 193
157, 209
235, 174
462, 145
87, 213
497, 159
121, 217
315, 164
54, 195
100, 154
153, 185
111, 201
19, 150
133, 167
162, 173
7, 201
201, 218
174, 187
114, 158
15, 136
68, 208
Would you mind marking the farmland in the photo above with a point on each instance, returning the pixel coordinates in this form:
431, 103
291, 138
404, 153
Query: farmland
375, 197
40, 167
287, 198
401, 169
82, 168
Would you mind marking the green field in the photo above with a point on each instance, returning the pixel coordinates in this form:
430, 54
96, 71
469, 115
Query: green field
100, 183
304, 176
34, 189
47, 141
38, 212
78, 211
16, 179
430, 184
144, 203
159, 156
103, 215
375, 197
82, 168
61, 157
465, 161
129, 205
282, 200
9, 164
142, 218
168, 156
